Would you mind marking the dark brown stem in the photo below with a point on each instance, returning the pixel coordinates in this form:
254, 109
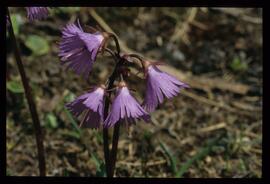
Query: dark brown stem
106, 150
31, 103
111, 80
112, 53
140, 58
113, 153
136, 56
116, 42
114, 147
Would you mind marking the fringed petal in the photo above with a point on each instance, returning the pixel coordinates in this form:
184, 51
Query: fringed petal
160, 84
125, 107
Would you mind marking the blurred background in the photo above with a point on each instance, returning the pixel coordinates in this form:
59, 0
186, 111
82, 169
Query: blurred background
213, 129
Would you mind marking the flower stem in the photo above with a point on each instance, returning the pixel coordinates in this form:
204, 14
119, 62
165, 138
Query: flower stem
114, 148
108, 159
106, 149
112, 53
105, 130
31, 103
116, 42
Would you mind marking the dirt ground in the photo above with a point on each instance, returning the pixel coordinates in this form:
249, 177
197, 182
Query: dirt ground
213, 129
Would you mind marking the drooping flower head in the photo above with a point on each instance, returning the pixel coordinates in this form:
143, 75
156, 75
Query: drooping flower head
90, 106
125, 107
37, 13
159, 84
79, 49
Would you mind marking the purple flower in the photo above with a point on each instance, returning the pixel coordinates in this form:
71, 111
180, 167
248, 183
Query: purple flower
37, 13
79, 49
92, 105
126, 108
159, 84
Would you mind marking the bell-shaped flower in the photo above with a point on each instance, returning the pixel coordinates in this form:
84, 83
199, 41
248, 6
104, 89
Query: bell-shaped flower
159, 84
90, 106
78, 50
125, 108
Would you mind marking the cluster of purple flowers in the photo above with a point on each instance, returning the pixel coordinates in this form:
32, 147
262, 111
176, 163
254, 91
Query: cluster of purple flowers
78, 50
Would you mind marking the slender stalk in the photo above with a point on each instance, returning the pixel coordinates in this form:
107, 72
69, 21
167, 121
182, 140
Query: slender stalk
107, 154
112, 53
106, 150
116, 42
105, 131
31, 103
114, 147
136, 56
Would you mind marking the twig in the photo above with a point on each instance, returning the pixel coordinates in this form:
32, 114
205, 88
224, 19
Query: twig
107, 28
250, 134
207, 84
100, 21
30, 101
217, 104
182, 32
149, 164
213, 127
236, 12
199, 25
258, 151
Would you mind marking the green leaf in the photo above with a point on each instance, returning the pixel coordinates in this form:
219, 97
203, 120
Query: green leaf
73, 122
242, 165
172, 158
8, 171
16, 21
37, 44
238, 65
73, 134
69, 97
69, 9
51, 120
101, 170
96, 160
147, 135
15, 87
199, 156
98, 135
66, 172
